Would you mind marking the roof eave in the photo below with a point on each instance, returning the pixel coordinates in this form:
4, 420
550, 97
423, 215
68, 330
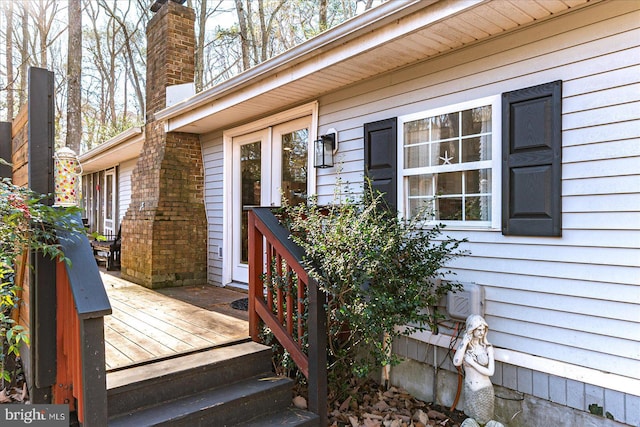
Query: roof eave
122, 147
349, 30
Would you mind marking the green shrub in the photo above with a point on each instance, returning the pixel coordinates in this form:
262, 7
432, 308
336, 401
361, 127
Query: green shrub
378, 271
26, 224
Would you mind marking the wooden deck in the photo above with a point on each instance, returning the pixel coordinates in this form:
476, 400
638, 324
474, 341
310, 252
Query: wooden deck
148, 324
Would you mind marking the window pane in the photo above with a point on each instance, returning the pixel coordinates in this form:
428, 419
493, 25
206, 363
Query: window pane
478, 181
478, 208
449, 183
294, 166
417, 156
250, 166
420, 185
444, 126
449, 209
476, 149
476, 120
421, 207
109, 202
416, 132
447, 153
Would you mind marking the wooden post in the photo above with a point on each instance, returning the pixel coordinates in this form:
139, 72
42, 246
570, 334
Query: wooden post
42, 303
5, 149
255, 273
317, 352
94, 390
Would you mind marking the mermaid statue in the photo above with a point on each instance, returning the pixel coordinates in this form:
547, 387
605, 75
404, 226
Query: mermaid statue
475, 353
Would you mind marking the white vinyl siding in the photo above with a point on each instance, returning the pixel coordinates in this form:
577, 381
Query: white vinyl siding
125, 171
212, 153
575, 298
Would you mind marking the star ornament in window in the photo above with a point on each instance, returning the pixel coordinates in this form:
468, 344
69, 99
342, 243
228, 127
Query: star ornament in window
446, 160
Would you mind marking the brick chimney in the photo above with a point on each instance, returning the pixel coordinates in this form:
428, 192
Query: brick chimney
164, 232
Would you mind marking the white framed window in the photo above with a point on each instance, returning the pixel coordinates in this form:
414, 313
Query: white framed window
449, 160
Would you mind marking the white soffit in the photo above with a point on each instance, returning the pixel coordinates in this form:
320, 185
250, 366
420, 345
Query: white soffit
124, 146
388, 37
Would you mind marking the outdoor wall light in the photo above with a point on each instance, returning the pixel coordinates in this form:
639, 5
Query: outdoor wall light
325, 148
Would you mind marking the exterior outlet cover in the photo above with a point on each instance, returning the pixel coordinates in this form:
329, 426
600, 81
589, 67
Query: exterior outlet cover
468, 300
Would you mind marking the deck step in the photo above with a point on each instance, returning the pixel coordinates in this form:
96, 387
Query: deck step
290, 417
225, 406
154, 383
225, 386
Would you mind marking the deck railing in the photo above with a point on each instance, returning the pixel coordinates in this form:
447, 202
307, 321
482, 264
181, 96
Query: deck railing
82, 303
287, 300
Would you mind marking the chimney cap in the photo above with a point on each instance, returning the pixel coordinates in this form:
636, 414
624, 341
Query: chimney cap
157, 4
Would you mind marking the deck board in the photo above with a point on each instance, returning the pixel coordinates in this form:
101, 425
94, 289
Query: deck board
146, 324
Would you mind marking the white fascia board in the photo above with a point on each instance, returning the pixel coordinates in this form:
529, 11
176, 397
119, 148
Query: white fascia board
316, 54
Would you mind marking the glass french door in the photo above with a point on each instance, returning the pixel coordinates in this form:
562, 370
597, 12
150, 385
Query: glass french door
268, 166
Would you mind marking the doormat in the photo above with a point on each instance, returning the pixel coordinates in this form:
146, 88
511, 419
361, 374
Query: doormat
241, 304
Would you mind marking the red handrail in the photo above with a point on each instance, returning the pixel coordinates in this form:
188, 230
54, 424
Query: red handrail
282, 295
275, 306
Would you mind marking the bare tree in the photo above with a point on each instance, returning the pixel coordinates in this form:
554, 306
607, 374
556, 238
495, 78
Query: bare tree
43, 14
74, 76
9, 57
114, 50
24, 56
128, 38
244, 34
204, 13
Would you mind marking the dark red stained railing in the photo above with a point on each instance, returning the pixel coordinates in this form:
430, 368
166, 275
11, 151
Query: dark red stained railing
283, 308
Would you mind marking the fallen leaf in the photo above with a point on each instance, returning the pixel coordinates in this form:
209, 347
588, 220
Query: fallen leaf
437, 415
381, 406
25, 392
345, 404
421, 416
300, 402
368, 422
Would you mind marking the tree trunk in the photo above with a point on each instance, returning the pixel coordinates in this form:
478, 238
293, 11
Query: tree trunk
244, 36
24, 56
74, 80
9, 58
264, 32
199, 70
322, 16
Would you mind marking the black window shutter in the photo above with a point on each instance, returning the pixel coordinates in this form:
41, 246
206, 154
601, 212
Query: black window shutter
380, 158
532, 161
